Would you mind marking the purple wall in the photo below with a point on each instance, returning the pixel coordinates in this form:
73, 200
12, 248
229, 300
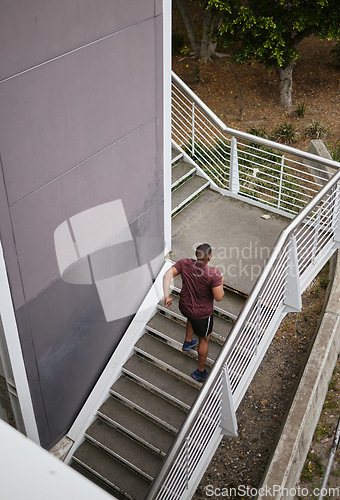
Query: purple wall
80, 134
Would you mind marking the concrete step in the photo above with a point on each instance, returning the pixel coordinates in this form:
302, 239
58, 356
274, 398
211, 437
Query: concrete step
136, 425
123, 448
111, 471
158, 410
164, 355
181, 172
96, 480
161, 382
175, 155
187, 192
231, 304
221, 328
173, 333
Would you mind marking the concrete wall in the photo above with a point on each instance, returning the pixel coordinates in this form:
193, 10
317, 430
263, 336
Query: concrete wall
81, 185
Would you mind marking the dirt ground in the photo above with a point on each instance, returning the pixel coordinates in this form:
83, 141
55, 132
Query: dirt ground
244, 97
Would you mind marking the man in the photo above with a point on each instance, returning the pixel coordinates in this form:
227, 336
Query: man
201, 284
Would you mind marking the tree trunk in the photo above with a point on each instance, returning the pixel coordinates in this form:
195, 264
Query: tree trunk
182, 6
210, 23
286, 85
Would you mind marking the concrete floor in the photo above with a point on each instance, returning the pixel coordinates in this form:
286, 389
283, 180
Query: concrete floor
241, 239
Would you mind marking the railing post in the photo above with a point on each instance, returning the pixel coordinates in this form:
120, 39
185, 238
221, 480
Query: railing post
257, 327
281, 178
336, 218
292, 299
228, 416
193, 129
234, 182
316, 235
187, 462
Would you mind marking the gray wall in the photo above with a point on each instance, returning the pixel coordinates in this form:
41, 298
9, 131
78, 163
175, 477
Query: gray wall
80, 128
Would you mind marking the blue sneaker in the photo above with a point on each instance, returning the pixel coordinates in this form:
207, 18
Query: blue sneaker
189, 345
199, 376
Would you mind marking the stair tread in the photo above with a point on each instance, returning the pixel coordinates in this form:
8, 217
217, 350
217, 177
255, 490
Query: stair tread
221, 326
158, 409
183, 393
180, 171
124, 448
176, 332
186, 190
103, 465
136, 424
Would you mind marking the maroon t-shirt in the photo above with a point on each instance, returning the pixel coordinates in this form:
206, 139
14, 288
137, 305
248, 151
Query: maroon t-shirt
198, 279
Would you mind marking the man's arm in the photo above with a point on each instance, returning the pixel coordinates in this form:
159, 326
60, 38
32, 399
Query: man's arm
171, 273
218, 291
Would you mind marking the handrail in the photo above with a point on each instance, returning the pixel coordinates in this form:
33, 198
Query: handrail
221, 360
248, 137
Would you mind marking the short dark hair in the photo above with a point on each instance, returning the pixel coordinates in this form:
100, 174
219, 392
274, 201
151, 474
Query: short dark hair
203, 251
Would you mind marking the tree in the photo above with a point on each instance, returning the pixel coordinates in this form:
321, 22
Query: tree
270, 31
205, 48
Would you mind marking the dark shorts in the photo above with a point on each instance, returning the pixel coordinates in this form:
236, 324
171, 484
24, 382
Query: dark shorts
202, 327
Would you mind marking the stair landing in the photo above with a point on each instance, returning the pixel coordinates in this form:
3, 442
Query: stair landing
240, 238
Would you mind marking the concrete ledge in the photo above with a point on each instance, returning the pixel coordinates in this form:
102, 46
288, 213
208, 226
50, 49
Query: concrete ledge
284, 470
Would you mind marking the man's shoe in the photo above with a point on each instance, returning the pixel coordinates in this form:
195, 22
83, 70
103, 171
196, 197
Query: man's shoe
189, 345
199, 376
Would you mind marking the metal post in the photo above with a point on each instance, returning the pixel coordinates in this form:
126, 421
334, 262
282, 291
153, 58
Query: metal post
193, 129
234, 181
257, 328
292, 299
316, 235
280, 185
187, 462
336, 218
228, 416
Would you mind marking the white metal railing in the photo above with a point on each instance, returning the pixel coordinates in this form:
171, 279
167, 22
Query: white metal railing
248, 166
301, 251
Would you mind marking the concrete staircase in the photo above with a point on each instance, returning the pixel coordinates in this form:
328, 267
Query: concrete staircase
186, 185
136, 425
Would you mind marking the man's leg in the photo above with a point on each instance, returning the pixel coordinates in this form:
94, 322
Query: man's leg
188, 332
202, 351
189, 343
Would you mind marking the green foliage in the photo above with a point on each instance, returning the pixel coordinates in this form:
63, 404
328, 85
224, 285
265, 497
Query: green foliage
271, 30
285, 133
258, 131
301, 109
335, 152
315, 130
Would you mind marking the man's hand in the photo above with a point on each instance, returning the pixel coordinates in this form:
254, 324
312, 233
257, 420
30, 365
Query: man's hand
167, 301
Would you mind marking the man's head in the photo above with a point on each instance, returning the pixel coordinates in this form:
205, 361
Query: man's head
203, 252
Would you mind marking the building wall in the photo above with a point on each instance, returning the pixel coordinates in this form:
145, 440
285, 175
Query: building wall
81, 185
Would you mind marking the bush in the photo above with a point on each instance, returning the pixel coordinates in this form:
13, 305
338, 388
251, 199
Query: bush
315, 130
301, 109
259, 132
285, 133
